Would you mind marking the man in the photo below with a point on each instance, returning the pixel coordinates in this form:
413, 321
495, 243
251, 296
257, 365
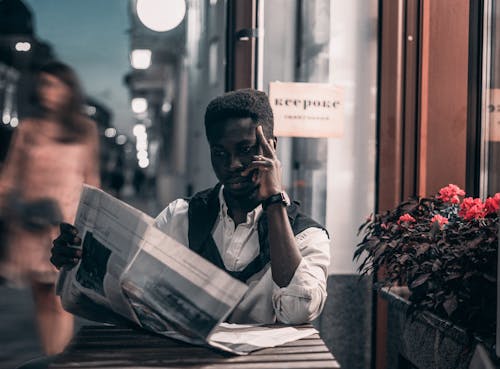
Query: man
246, 224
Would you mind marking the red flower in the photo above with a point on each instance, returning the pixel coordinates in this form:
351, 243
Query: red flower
472, 209
451, 194
406, 218
440, 219
492, 204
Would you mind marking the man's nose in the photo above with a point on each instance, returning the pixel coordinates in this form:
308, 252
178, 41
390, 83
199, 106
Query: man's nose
235, 163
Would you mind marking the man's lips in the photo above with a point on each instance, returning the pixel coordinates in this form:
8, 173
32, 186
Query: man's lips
239, 182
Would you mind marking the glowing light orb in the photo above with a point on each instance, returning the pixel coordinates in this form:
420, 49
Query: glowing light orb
161, 15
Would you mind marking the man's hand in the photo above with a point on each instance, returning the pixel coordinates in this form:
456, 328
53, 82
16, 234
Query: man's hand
66, 251
268, 174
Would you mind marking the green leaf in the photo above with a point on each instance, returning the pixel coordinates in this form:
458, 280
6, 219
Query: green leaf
450, 305
403, 258
452, 276
422, 249
436, 265
489, 278
420, 280
380, 250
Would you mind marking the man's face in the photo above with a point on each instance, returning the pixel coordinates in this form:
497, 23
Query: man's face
232, 149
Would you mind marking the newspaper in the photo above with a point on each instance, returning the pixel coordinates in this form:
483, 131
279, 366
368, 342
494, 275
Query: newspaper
134, 274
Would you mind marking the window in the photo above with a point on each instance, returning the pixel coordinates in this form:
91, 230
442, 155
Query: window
490, 151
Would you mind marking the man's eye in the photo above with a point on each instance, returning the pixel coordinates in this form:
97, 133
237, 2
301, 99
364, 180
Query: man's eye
218, 153
247, 149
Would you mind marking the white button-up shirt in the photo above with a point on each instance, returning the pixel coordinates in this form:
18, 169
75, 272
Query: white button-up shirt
265, 302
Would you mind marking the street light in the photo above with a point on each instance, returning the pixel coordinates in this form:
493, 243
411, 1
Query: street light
166, 107
161, 15
110, 132
139, 105
140, 58
139, 129
90, 110
144, 163
23, 46
121, 139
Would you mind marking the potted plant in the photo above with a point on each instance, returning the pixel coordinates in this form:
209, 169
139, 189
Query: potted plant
444, 250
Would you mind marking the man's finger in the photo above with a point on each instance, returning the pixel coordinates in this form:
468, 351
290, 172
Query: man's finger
59, 262
54, 262
67, 251
70, 238
271, 145
267, 149
260, 165
68, 228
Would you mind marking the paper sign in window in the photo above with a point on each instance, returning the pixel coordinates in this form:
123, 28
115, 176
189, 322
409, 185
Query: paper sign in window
494, 115
307, 109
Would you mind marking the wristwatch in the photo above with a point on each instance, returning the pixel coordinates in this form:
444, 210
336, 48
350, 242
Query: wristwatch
281, 197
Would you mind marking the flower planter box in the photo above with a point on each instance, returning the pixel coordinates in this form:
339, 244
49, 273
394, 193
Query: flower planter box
426, 341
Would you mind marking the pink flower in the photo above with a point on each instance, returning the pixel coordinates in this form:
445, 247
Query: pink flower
472, 209
406, 218
492, 204
451, 194
440, 219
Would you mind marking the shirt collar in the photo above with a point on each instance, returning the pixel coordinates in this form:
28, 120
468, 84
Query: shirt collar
252, 217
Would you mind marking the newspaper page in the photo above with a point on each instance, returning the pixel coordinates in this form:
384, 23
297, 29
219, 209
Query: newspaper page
174, 289
133, 273
112, 234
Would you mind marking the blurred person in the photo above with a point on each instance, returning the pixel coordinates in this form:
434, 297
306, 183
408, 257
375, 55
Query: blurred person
246, 224
50, 156
138, 181
117, 178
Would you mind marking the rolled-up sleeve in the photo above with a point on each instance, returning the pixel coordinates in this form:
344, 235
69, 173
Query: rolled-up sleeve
304, 297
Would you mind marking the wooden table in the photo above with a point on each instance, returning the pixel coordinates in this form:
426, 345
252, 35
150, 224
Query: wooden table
116, 347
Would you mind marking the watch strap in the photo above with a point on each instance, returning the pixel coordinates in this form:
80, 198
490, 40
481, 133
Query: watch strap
274, 199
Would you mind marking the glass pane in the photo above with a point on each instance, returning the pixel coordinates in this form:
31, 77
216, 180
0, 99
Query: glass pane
335, 42
491, 124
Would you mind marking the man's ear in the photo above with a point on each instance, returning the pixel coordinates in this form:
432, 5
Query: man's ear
275, 143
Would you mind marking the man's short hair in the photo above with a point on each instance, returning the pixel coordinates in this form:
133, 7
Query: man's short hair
244, 103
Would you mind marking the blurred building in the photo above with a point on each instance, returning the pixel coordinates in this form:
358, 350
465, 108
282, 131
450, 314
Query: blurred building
174, 73
21, 52
112, 152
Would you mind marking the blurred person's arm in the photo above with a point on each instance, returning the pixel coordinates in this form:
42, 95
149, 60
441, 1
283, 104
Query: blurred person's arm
92, 173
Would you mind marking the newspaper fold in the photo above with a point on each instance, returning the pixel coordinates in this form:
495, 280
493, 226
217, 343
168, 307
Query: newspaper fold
133, 273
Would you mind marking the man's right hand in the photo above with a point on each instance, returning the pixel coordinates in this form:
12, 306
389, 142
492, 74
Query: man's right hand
66, 250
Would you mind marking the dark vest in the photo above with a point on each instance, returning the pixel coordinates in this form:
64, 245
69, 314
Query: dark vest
203, 211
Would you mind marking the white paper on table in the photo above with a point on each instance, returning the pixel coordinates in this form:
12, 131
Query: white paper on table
248, 338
